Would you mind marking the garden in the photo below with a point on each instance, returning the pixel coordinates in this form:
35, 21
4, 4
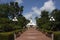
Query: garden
8, 27
49, 23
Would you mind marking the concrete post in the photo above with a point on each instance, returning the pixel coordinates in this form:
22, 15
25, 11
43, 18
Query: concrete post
52, 36
14, 36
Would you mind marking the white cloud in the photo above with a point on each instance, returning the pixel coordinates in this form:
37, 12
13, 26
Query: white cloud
36, 10
19, 1
28, 15
48, 6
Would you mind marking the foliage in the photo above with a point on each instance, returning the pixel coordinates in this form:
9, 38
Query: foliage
3, 10
43, 21
7, 13
56, 15
6, 36
7, 27
46, 26
56, 35
44, 14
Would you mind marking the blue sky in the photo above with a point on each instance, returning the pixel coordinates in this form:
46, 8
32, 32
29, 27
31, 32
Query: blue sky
33, 8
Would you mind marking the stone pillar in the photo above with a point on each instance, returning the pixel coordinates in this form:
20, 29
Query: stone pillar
14, 36
52, 36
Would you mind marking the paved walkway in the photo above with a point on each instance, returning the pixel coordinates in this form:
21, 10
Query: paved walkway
33, 34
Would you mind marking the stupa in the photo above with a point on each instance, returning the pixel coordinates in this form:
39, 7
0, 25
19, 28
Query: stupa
31, 24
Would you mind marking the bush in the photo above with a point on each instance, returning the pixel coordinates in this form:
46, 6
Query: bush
46, 26
4, 20
56, 35
48, 33
7, 27
6, 36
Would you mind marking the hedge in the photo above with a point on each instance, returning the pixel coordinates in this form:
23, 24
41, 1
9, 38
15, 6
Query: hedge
6, 36
9, 35
57, 35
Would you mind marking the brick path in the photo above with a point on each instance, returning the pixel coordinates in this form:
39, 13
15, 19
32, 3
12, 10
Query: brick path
33, 34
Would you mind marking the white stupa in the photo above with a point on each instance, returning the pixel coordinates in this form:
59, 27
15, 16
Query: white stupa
31, 23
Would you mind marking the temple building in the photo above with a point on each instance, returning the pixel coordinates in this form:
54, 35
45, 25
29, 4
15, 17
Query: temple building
31, 24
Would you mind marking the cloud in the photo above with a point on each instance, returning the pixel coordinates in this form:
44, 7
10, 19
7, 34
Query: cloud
48, 6
19, 1
28, 15
36, 10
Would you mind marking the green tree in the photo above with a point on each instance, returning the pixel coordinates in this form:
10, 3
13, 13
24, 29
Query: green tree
12, 11
21, 9
44, 20
44, 14
56, 14
4, 10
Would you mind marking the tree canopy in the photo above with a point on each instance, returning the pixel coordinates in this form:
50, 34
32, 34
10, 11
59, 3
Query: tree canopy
7, 13
44, 23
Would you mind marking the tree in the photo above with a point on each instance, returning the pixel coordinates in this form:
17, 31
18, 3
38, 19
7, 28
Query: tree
4, 10
15, 9
43, 22
44, 17
56, 14
21, 9
44, 14
12, 11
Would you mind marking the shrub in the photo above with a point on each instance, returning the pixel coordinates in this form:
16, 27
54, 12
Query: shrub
7, 27
48, 33
46, 26
56, 35
6, 36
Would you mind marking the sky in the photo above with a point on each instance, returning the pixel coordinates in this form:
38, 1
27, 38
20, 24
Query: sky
33, 8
